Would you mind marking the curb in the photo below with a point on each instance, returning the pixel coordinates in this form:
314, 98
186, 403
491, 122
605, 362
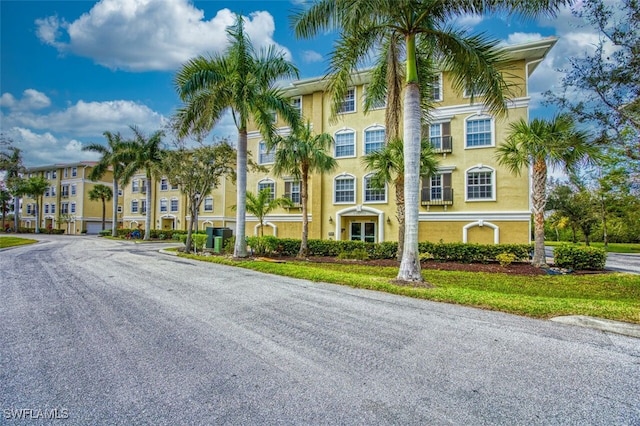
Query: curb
624, 328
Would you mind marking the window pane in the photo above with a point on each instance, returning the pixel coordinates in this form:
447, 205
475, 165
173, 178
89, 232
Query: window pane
479, 132
266, 156
349, 103
345, 190
373, 140
373, 194
479, 185
271, 186
345, 144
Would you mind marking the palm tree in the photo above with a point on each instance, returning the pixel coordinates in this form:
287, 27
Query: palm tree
102, 193
298, 155
146, 154
242, 81
11, 164
388, 166
423, 25
35, 188
113, 157
262, 204
540, 145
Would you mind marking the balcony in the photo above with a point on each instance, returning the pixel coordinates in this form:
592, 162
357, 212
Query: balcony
436, 197
441, 144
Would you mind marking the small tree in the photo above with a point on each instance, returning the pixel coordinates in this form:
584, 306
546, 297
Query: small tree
262, 204
5, 197
196, 173
102, 193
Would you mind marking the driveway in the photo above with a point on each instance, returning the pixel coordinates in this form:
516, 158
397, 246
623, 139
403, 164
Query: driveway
109, 332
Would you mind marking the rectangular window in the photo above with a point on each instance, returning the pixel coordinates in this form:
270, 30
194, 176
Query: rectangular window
373, 140
119, 209
28, 208
46, 192
48, 175
436, 187
74, 171
135, 185
54, 174
73, 208
480, 185
271, 186
53, 208
65, 172
349, 102
436, 88
292, 192
73, 189
373, 194
266, 156
479, 132
345, 144
164, 184
143, 206
46, 208
65, 191
296, 103
64, 208
53, 191
208, 204
134, 206
163, 205
345, 190
174, 205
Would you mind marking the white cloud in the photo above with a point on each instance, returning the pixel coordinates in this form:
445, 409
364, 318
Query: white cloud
146, 35
31, 100
310, 56
467, 21
517, 38
45, 148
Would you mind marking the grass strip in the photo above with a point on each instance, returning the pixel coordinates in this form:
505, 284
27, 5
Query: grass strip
15, 241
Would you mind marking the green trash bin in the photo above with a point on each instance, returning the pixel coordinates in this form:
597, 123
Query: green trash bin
217, 245
210, 235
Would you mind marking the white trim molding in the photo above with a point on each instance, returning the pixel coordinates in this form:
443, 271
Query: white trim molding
359, 210
481, 223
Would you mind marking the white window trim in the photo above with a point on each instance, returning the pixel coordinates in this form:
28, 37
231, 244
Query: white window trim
373, 108
344, 175
299, 98
440, 88
480, 168
264, 181
204, 203
371, 128
171, 204
166, 205
267, 152
364, 191
493, 130
355, 143
167, 184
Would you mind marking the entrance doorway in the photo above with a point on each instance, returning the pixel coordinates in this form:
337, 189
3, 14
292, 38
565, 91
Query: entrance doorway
363, 231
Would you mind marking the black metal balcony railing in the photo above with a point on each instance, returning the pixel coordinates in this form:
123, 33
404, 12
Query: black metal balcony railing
437, 197
442, 144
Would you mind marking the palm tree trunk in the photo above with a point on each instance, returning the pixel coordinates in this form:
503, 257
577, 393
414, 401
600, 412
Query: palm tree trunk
16, 210
410, 263
114, 219
104, 213
240, 248
193, 213
147, 219
400, 214
37, 230
538, 203
304, 249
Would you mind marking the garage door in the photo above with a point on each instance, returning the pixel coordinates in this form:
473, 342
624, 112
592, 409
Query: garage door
96, 227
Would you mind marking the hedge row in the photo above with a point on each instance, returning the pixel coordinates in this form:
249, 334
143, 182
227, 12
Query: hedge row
451, 252
579, 257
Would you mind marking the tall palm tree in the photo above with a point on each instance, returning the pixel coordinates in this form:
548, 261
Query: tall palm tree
5, 197
542, 144
102, 193
146, 154
11, 164
262, 204
241, 80
298, 155
35, 188
112, 157
387, 165
471, 60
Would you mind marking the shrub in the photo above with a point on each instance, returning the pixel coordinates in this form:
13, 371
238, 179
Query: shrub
578, 257
357, 254
105, 233
506, 259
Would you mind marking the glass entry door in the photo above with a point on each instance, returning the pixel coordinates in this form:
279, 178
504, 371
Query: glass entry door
363, 231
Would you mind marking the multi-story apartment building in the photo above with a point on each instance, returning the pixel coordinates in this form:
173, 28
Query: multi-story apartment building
470, 199
66, 204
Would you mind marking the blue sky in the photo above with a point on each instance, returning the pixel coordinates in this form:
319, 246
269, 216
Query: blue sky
72, 69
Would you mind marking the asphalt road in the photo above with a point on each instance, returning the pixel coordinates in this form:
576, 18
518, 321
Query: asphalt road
115, 333
619, 262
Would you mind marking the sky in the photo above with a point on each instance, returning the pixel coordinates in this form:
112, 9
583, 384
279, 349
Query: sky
71, 70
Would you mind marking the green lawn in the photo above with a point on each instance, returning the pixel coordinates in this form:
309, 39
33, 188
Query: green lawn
14, 241
611, 296
611, 247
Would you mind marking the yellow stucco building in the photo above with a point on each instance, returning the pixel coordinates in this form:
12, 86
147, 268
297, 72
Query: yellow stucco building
65, 204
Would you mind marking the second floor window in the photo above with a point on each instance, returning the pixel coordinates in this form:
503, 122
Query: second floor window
143, 206
266, 156
268, 185
53, 208
135, 185
345, 189
478, 132
292, 191
65, 191
436, 88
208, 204
373, 193
72, 208
345, 144
480, 184
73, 189
134, 206
46, 208
296, 103
163, 205
373, 140
164, 184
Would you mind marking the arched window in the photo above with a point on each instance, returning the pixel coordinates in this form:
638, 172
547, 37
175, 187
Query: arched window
163, 205
373, 139
345, 141
269, 185
344, 189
